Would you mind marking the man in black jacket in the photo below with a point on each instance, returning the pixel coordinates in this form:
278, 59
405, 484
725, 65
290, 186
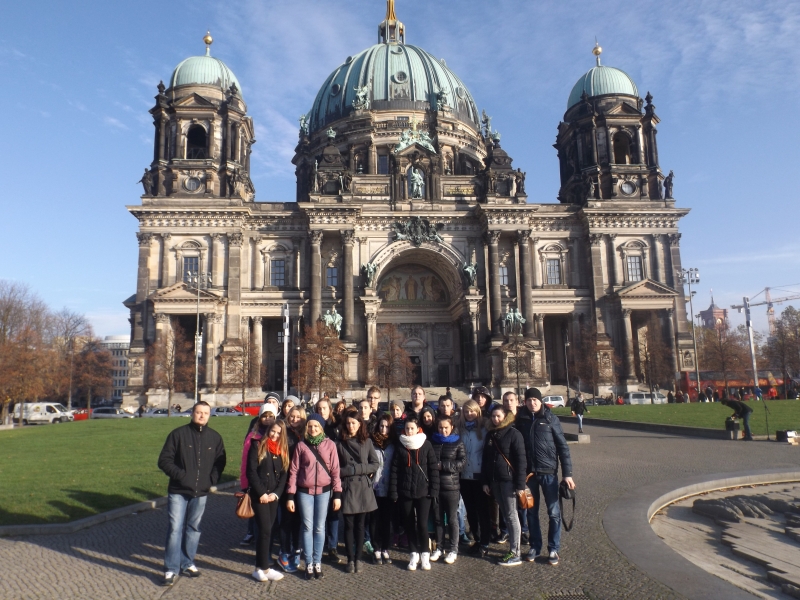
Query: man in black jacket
193, 457
741, 411
545, 447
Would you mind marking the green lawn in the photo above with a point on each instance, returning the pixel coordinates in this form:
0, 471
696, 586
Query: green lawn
63, 472
784, 414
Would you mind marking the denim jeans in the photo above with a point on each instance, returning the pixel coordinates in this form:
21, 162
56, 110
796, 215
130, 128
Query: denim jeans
746, 421
549, 487
313, 510
462, 522
503, 492
580, 422
183, 537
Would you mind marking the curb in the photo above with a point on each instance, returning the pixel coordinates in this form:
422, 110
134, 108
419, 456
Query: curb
122, 511
627, 524
703, 432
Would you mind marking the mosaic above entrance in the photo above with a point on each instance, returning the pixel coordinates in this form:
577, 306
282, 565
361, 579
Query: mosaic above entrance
412, 284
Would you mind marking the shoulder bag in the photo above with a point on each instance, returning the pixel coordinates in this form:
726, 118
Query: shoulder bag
324, 466
244, 507
525, 499
564, 493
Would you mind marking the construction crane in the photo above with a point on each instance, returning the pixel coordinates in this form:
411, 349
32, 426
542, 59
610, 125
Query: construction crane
769, 301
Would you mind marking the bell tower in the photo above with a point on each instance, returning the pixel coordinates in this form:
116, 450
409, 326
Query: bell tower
203, 136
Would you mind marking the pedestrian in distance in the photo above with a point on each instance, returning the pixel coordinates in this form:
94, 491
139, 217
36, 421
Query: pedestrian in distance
741, 411
193, 457
267, 470
414, 483
313, 479
450, 457
380, 523
545, 448
503, 474
578, 408
358, 464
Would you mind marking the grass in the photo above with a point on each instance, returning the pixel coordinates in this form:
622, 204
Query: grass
59, 473
783, 414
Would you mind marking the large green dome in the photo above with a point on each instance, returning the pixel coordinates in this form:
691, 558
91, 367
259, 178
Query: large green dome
204, 70
601, 80
399, 77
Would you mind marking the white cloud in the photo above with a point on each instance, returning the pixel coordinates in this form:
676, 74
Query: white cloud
114, 122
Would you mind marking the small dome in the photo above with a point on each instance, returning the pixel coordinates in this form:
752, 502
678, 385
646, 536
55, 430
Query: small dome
204, 70
400, 77
601, 80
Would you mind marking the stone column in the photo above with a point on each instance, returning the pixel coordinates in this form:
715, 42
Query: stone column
534, 261
142, 282
218, 260
165, 249
540, 334
372, 334
575, 267
680, 305
260, 268
162, 327
258, 340
349, 329
672, 346
296, 242
431, 358
627, 332
235, 241
525, 281
614, 275
494, 281
316, 276
211, 345
658, 259
473, 317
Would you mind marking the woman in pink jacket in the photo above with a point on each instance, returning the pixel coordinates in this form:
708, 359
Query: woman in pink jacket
313, 477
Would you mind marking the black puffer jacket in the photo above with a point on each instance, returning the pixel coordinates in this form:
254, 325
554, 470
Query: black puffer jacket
267, 476
414, 473
194, 458
504, 440
545, 444
451, 457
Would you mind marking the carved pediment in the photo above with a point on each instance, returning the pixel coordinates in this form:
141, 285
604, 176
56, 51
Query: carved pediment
422, 150
180, 292
624, 109
647, 288
194, 100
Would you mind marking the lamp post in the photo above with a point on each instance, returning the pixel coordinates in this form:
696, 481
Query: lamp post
285, 350
197, 281
566, 360
688, 277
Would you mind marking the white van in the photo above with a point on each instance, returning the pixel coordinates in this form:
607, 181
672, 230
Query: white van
644, 398
43, 412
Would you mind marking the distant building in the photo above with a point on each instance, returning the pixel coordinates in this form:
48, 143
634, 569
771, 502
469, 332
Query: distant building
118, 346
713, 317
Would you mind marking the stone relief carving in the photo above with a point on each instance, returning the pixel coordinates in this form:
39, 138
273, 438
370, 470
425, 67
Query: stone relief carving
417, 230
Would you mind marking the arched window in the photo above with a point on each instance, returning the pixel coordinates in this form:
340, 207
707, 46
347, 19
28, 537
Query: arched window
634, 256
196, 142
622, 149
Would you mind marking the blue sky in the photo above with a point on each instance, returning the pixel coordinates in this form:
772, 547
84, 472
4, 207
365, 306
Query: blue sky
81, 76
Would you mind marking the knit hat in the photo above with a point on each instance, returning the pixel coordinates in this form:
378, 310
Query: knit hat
485, 391
294, 399
267, 407
317, 418
533, 393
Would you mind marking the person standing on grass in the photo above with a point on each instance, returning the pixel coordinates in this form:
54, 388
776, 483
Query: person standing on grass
741, 411
267, 469
357, 464
193, 457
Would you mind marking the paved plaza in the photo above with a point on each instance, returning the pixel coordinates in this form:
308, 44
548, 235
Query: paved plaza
123, 558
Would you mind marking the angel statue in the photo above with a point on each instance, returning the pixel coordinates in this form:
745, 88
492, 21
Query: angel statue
471, 271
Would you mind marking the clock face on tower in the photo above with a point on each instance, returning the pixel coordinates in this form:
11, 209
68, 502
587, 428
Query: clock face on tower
628, 188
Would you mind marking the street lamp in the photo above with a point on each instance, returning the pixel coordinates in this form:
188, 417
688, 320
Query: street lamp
566, 360
197, 281
688, 277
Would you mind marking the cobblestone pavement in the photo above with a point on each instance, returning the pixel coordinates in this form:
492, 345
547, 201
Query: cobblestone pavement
123, 558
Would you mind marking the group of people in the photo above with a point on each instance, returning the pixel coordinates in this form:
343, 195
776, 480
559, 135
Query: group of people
384, 474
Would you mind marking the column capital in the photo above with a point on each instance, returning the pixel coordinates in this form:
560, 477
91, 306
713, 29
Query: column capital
144, 238
348, 236
674, 239
166, 237
217, 237
257, 320
670, 312
235, 239
595, 239
315, 236
524, 236
161, 318
493, 237
626, 313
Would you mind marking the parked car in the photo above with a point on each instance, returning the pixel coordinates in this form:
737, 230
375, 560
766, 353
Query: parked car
158, 412
644, 398
43, 412
110, 413
225, 411
553, 401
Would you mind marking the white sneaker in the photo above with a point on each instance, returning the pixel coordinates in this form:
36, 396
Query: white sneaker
259, 575
412, 564
274, 575
450, 558
426, 561
436, 555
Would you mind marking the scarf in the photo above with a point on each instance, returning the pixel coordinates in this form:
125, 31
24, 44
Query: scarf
413, 442
470, 424
315, 440
440, 439
380, 440
273, 447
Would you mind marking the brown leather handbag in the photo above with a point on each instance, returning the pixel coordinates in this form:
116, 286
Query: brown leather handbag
525, 499
244, 509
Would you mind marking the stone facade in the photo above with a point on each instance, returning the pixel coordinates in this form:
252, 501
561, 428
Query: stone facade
411, 213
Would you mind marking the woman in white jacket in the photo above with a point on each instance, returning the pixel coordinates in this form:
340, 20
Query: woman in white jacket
472, 428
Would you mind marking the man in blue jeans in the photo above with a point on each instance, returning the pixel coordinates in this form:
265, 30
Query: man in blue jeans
193, 457
545, 447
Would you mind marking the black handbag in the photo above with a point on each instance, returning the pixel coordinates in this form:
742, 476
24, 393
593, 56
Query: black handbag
564, 493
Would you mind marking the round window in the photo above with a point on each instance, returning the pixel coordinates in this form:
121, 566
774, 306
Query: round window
192, 184
460, 92
335, 89
628, 187
400, 77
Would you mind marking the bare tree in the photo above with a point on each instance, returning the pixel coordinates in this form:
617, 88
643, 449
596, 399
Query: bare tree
782, 350
244, 366
322, 359
724, 350
67, 327
655, 355
589, 361
170, 361
391, 366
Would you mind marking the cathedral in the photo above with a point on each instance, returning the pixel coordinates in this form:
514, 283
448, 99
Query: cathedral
407, 211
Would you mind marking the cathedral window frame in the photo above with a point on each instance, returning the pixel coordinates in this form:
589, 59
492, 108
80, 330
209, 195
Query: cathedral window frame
277, 252
189, 249
186, 129
620, 133
550, 252
634, 249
